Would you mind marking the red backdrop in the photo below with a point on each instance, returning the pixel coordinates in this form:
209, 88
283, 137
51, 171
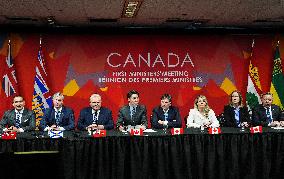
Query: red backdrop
79, 65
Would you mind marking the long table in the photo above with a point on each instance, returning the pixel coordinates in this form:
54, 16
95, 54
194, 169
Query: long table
194, 154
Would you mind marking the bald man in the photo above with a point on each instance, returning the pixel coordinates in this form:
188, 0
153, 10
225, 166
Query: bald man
95, 116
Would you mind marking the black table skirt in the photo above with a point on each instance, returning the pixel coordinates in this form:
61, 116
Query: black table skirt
192, 155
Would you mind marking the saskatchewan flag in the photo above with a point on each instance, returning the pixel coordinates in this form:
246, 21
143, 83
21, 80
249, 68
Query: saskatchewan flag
277, 81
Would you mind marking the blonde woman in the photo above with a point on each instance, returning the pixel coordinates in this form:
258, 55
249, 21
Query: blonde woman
201, 115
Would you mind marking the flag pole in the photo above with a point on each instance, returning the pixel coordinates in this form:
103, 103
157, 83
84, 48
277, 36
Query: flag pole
40, 40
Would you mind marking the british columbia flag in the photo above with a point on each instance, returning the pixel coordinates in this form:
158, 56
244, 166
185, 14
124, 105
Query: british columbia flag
41, 95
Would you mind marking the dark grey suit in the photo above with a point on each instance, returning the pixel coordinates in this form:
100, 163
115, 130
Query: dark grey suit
259, 117
27, 120
139, 118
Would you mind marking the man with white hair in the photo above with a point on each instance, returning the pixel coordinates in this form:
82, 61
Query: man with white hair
95, 116
59, 117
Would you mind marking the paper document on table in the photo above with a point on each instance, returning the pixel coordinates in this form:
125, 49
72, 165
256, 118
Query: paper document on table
277, 128
149, 130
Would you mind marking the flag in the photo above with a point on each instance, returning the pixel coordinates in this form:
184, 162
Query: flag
138, 132
41, 95
9, 80
9, 135
176, 131
256, 129
277, 81
55, 134
214, 130
254, 86
100, 133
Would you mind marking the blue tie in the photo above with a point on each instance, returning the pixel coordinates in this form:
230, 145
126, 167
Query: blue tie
57, 117
18, 122
166, 116
268, 114
237, 117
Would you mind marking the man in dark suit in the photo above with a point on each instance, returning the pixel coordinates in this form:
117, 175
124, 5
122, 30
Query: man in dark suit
18, 119
58, 117
266, 114
95, 116
132, 114
166, 115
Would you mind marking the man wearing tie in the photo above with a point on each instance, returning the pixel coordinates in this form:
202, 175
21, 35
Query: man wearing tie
132, 114
267, 114
166, 115
95, 116
18, 119
59, 117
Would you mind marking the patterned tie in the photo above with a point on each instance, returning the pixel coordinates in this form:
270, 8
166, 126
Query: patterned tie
268, 114
133, 112
237, 117
57, 117
18, 122
95, 117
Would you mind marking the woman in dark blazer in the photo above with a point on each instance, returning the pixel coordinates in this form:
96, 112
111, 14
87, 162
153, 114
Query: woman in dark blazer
235, 113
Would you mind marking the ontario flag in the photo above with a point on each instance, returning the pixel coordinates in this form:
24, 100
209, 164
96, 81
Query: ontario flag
100, 133
9, 135
214, 130
176, 131
256, 129
41, 95
9, 80
138, 132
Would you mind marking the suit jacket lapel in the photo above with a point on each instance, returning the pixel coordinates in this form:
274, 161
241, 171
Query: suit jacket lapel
233, 114
24, 115
90, 114
161, 112
52, 115
263, 110
128, 112
12, 117
63, 111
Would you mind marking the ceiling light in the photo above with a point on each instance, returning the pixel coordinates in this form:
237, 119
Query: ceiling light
131, 8
50, 20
